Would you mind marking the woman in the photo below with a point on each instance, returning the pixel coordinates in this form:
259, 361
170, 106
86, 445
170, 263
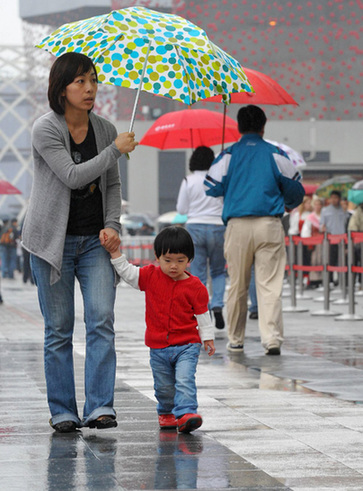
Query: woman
206, 228
75, 201
311, 228
298, 216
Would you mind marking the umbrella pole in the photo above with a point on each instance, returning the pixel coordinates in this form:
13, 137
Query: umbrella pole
139, 89
224, 124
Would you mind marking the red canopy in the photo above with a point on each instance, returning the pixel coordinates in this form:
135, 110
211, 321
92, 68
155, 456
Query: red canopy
7, 188
190, 128
267, 91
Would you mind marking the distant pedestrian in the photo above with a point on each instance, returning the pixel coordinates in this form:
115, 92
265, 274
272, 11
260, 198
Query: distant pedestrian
177, 323
8, 245
257, 181
356, 225
311, 228
206, 227
334, 220
75, 201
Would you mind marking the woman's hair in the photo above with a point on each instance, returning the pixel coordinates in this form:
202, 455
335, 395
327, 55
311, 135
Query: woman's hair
64, 70
174, 240
201, 159
251, 119
301, 205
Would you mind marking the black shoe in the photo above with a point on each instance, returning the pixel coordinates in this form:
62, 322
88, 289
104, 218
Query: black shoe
218, 319
64, 426
254, 315
103, 422
235, 348
273, 351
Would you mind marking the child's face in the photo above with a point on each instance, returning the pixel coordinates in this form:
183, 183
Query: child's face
173, 265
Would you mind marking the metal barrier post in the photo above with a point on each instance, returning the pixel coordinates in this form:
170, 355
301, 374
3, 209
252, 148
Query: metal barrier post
293, 307
359, 292
351, 316
300, 274
342, 276
325, 311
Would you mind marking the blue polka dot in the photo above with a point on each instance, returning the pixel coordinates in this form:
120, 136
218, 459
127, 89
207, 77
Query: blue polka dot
161, 50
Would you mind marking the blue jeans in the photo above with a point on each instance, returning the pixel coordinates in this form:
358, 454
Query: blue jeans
174, 370
8, 261
85, 259
209, 244
252, 291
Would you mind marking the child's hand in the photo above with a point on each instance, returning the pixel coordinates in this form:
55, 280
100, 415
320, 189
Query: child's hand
209, 347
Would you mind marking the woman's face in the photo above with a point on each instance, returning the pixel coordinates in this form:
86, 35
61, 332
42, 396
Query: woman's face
80, 94
317, 206
307, 205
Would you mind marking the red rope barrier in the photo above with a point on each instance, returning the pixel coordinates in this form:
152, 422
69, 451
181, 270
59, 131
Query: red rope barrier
337, 238
357, 237
296, 267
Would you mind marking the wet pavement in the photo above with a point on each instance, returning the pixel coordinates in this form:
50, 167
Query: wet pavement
291, 422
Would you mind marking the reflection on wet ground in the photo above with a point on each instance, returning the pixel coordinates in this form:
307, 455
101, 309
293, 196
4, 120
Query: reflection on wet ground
269, 422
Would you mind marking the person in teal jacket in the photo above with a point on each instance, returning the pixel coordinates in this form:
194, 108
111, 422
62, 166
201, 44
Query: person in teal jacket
258, 183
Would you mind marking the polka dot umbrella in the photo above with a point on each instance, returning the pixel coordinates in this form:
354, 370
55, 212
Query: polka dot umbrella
156, 52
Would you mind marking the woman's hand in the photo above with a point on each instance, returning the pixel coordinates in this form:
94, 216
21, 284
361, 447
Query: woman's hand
110, 239
125, 142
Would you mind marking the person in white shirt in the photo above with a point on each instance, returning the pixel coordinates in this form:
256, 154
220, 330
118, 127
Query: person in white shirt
206, 227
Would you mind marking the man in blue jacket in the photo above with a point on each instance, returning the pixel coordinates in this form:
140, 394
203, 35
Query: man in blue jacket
257, 181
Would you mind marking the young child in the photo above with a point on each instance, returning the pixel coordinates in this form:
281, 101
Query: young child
177, 322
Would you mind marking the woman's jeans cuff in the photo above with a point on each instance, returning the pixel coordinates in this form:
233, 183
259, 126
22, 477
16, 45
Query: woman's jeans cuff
100, 411
60, 418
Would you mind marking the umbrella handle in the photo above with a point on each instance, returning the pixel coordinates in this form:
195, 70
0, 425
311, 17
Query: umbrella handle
138, 93
224, 124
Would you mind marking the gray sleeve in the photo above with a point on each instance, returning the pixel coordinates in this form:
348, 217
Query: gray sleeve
48, 143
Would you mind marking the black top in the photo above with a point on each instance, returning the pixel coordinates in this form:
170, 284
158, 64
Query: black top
85, 212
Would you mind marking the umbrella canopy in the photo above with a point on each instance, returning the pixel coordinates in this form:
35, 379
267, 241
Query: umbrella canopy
355, 194
190, 128
7, 188
295, 157
336, 183
310, 188
161, 53
267, 91
172, 218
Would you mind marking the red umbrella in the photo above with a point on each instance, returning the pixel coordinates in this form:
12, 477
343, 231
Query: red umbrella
310, 188
7, 188
190, 128
267, 91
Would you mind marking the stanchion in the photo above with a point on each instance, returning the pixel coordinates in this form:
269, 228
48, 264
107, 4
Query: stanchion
326, 310
342, 273
286, 285
300, 271
359, 292
293, 307
332, 239
351, 316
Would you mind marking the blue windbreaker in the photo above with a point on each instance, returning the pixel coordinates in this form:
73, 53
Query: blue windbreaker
255, 178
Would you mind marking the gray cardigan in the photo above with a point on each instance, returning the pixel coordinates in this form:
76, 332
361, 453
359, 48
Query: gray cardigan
55, 175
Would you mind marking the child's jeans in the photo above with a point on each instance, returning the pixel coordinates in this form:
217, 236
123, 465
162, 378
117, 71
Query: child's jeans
174, 370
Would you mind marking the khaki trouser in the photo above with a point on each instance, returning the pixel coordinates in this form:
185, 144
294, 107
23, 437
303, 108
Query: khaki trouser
259, 240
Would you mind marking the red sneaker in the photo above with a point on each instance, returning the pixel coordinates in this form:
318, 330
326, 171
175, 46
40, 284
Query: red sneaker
189, 422
167, 421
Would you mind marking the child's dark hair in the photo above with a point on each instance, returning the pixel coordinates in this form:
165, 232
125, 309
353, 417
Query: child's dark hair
174, 240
